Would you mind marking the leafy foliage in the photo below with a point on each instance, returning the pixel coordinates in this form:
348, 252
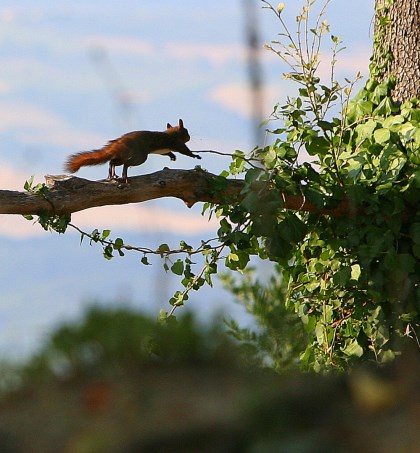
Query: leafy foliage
109, 341
279, 336
49, 222
353, 280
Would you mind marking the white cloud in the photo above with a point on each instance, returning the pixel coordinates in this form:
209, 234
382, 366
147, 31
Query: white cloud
16, 227
12, 179
216, 54
145, 219
120, 219
15, 115
7, 15
4, 87
65, 137
348, 63
237, 98
32, 124
119, 45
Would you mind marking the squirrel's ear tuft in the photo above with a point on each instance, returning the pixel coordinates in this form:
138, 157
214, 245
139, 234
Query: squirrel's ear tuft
168, 126
181, 123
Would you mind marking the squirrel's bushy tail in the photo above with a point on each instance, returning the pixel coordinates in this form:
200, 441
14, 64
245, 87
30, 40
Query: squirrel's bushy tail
86, 158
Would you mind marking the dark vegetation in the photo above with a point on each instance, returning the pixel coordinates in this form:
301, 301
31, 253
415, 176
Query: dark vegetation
121, 382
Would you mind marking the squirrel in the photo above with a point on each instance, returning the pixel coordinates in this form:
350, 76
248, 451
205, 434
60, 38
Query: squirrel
132, 149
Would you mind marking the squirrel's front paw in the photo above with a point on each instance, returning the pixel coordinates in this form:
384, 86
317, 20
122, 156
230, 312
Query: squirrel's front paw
173, 158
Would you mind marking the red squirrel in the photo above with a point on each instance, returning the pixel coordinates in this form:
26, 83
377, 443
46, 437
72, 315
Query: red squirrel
133, 148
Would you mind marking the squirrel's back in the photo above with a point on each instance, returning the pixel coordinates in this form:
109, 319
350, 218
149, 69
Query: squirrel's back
132, 149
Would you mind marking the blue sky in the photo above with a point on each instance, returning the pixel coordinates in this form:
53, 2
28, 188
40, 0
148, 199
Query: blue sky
76, 74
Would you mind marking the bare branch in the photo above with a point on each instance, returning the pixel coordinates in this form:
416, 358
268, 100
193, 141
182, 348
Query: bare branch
69, 194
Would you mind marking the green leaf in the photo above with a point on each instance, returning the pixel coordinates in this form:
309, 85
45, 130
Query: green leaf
358, 109
28, 184
163, 315
251, 202
408, 317
145, 261
225, 227
319, 333
184, 246
416, 136
365, 130
414, 155
270, 158
178, 299
387, 356
178, 267
353, 348
342, 276
355, 272
326, 125
317, 146
105, 233
211, 268
108, 252
386, 107
291, 229
278, 248
379, 93
237, 261
233, 257
392, 120
314, 196
381, 135
118, 243
162, 249
252, 174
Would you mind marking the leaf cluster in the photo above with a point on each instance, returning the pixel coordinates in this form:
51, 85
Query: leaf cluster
48, 221
352, 280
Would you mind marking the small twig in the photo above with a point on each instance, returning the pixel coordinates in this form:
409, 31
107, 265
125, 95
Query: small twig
196, 278
227, 154
145, 250
409, 331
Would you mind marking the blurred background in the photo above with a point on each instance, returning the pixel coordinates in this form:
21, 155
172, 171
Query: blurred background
74, 75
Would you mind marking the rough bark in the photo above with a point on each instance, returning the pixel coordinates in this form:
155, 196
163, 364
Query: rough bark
69, 194
397, 46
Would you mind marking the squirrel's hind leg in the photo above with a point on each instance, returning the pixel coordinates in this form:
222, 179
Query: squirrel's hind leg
111, 172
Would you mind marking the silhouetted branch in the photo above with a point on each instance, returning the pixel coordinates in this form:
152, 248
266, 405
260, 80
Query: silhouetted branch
67, 194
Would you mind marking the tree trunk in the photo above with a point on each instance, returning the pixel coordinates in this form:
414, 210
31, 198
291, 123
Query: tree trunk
397, 46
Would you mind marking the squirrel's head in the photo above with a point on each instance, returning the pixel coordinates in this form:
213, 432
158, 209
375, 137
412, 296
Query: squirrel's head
180, 130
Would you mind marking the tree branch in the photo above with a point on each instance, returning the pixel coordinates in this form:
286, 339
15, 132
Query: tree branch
69, 194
